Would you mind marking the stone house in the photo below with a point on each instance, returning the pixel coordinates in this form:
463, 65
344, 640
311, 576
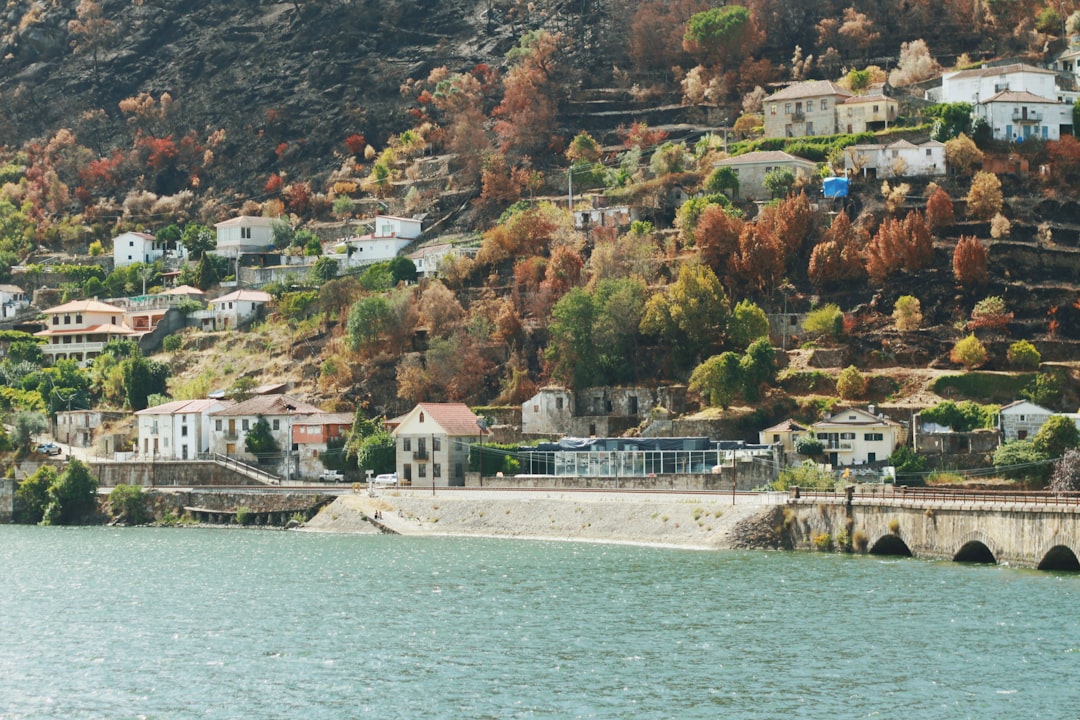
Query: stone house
804, 109
1021, 420
76, 427
232, 424
752, 168
595, 412
867, 113
432, 442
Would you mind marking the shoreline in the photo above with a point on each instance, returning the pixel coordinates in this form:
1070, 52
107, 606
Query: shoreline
663, 520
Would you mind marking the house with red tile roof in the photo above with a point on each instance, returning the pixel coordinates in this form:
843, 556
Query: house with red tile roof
79, 330
433, 442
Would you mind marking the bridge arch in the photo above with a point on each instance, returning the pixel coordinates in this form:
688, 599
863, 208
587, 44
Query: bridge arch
890, 545
1059, 557
977, 547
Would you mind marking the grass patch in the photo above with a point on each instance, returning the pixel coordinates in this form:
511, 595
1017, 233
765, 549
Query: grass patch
982, 386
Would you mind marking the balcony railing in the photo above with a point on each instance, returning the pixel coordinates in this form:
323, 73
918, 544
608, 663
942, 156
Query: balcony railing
1018, 116
798, 115
420, 454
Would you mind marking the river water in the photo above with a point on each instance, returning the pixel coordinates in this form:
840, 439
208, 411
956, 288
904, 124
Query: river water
197, 623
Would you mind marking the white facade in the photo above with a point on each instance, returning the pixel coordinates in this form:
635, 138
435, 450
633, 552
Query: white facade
243, 234
856, 437
12, 301
433, 442
231, 425
752, 168
392, 226
79, 330
136, 247
900, 158
427, 259
178, 430
370, 249
548, 412
1018, 116
1022, 420
978, 85
233, 310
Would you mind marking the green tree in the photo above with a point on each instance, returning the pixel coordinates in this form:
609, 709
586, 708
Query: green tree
851, 384
127, 504
260, 442
27, 425
758, 367
908, 462
368, 319
73, 496
571, 353
723, 179
1057, 435
721, 35
690, 315
748, 323
1023, 354
719, 379
206, 275
282, 234
325, 270
198, 240
969, 352
583, 148
143, 378
32, 495
1045, 389
825, 321
950, 120
371, 445
1020, 460
779, 182
402, 269
961, 417
377, 277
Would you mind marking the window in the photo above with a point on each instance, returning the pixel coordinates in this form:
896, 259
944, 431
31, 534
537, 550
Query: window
436, 444
772, 109
1021, 434
131, 243
56, 320
217, 425
244, 424
245, 233
787, 108
183, 431
421, 470
1022, 418
824, 104
873, 437
277, 424
406, 444
776, 437
67, 319
78, 319
928, 153
875, 108
436, 470
558, 403
421, 417
809, 106
847, 436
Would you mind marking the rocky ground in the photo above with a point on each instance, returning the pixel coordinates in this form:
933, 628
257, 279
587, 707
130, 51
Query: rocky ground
678, 520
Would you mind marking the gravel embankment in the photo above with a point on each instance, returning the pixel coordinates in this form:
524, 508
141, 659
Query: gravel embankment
680, 520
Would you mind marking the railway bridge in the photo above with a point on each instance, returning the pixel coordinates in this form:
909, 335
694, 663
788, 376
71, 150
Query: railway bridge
1037, 530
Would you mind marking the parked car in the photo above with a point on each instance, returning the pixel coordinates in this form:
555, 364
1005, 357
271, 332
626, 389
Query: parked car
386, 479
48, 448
331, 476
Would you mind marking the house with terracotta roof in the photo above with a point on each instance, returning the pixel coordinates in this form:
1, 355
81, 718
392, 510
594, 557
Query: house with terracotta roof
432, 442
804, 109
784, 434
79, 330
1021, 115
244, 234
752, 168
232, 424
177, 430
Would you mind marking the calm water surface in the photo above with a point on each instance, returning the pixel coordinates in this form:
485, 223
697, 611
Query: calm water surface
182, 623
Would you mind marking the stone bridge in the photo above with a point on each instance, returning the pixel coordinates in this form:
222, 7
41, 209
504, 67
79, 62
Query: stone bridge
1027, 530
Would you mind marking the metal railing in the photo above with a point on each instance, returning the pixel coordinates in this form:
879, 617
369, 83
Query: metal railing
243, 468
922, 495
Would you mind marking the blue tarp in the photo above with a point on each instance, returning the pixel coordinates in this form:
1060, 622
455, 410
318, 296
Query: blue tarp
833, 187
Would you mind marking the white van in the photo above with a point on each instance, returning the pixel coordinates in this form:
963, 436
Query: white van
386, 479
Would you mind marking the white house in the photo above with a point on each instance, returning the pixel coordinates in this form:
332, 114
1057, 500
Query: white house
178, 430
79, 330
976, 85
233, 310
548, 412
12, 300
392, 234
136, 247
900, 158
232, 424
1021, 420
752, 168
784, 434
856, 437
433, 441
1020, 115
427, 259
244, 234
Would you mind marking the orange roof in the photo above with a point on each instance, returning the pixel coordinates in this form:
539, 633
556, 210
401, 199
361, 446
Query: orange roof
88, 330
454, 418
86, 306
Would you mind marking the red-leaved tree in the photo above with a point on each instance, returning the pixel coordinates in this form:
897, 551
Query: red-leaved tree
969, 263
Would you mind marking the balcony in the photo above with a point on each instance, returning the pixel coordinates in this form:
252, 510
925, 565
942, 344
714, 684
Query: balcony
798, 116
420, 454
1021, 117
834, 445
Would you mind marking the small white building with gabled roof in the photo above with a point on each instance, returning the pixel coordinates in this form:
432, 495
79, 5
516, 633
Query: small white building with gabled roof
1022, 420
897, 159
433, 442
138, 247
244, 234
177, 430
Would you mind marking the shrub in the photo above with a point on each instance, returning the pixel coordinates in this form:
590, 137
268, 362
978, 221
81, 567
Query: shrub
244, 515
964, 416
969, 262
172, 343
860, 541
907, 462
1066, 475
984, 199
907, 313
1020, 460
823, 542
128, 504
1044, 389
809, 446
1023, 354
969, 352
983, 386
843, 540
990, 312
1057, 435
894, 526
851, 384
808, 475
826, 320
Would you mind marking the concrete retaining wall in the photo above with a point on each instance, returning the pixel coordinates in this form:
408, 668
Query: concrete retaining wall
750, 475
161, 474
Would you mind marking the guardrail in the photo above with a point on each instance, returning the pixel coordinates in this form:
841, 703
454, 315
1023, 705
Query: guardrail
243, 468
942, 494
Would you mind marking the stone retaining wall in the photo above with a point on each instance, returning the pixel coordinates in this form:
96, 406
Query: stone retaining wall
164, 474
750, 475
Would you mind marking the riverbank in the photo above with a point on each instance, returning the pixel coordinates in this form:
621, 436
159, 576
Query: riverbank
659, 519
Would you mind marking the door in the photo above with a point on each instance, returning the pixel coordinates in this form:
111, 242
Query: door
230, 449
232, 427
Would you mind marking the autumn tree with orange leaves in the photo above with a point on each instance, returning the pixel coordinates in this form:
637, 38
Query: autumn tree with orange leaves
939, 211
899, 245
969, 263
838, 257
526, 117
